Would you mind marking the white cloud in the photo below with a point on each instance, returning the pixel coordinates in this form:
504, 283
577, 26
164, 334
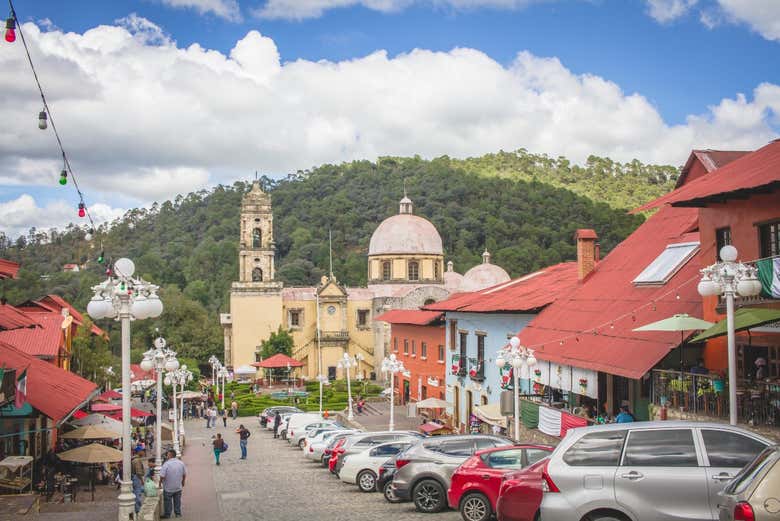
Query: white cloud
227, 9
302, 9
666, 11
20, 214
143, 121
763, 16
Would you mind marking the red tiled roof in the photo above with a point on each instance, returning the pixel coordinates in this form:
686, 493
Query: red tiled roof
13, 318
55, 303
525, 294
759, 170
8, 269
53, 391
710, 159
278, 360
43, 341
594, 319
410, 316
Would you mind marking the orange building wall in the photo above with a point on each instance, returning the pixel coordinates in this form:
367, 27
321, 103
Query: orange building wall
433, 335
742, 216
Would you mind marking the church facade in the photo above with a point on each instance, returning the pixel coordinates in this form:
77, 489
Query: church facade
405, 271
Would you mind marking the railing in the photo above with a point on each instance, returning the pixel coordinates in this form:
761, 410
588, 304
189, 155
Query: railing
334, 335
758, 402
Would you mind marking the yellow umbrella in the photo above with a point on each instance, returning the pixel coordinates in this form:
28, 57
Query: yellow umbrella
91, 453
89, 432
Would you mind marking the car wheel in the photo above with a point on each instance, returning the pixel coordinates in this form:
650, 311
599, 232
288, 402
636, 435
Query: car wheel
390, 496
428, 496
606, 516
366, 481
301, 444
475, 507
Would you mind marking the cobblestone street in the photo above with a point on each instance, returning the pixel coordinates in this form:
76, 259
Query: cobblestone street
276, 483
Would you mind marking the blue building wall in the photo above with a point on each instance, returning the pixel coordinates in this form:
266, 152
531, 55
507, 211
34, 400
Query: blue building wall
498, 328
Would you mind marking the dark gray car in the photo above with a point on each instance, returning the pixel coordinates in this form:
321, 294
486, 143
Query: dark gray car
424, 470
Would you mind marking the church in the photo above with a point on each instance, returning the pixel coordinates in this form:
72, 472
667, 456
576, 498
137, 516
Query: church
405, 271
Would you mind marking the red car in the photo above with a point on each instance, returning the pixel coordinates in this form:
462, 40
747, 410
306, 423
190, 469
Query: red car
521, 492
475, 484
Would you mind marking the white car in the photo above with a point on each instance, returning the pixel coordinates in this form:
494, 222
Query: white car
270, 425
296, 423
362, 468
299, 437
314, 446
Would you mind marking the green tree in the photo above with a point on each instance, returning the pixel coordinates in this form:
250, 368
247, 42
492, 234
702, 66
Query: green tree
280, 341
90, 355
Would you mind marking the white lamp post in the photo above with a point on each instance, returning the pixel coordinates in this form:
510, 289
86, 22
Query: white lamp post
214, 362
347, 363
518, 357
392, 365
125, 298
171, 380
223, 374
160, 359
730, 278
323, 380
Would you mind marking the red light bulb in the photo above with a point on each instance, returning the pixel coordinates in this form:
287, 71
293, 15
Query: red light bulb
10, 30
82, 210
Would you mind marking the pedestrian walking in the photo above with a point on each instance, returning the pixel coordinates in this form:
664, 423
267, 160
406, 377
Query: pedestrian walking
213, 414
219, 447
277, 422
207, 415
138, 475
243, 436
234, 409
173, 474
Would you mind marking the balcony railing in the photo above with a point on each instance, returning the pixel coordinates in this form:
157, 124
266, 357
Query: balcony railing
758, 402
330, 336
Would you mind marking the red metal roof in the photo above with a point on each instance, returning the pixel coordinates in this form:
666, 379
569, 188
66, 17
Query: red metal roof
43, 341
595, 318
55, 303
13, 318
137, 374
110, 395
756, 171
55, 392
528, 293
410, 316
105, 407
278, 360
710, 159
8, 269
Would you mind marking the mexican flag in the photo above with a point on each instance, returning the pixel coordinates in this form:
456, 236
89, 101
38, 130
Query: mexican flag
769, 275
21, 390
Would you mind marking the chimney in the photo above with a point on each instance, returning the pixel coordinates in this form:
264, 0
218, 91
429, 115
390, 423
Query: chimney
587, 252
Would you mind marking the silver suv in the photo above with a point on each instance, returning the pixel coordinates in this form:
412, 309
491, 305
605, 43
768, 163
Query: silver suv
653, 471
362, 440
424, 470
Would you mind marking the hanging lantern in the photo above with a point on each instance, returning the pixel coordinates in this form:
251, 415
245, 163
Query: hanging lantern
82, 210
64, 177
10, 29
42, 120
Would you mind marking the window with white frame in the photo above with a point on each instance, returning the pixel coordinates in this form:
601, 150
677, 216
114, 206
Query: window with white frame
667, 263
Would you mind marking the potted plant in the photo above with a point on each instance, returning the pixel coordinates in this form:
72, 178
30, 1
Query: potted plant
583, 384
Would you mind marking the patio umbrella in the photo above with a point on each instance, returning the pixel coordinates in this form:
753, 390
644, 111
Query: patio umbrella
89, 432
91, 454
744, 318
433, 403
681, 322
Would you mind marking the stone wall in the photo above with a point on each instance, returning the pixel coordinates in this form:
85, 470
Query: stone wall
151, 508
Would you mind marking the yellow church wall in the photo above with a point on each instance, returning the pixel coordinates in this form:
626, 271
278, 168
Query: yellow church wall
400, 267
255, 317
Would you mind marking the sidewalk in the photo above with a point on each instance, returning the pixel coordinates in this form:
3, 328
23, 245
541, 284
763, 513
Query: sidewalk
199, 499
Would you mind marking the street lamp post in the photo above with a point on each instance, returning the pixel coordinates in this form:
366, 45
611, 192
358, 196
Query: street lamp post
730, 278
159, 359
179, 378
347, 363
322, 379
223, 373
392, 365
170, 379
214, 362
518, 357
125, 298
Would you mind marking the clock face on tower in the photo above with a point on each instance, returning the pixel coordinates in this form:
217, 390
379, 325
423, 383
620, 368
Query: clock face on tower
331, 310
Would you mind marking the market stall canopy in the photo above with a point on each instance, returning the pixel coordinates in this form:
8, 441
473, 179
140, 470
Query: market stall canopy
110, 395
490, 413
104, 421
134, 413
277, 361
433, 403
105, 407
744, 318
89, 432
92, 453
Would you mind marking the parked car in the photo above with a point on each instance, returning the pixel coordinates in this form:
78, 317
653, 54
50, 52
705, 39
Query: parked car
645, 470
520, 493
335, 441
384, 480
358, 442
317, 441
297, 421
423, 474
267, 415
361, 468
754, 494
475, 484
298, 437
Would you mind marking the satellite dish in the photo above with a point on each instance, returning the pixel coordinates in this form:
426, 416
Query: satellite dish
67, 322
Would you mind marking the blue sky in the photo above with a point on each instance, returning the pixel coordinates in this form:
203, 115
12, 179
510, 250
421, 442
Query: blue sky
160, 97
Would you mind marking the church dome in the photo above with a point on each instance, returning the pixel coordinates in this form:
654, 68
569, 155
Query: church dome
405, 233
452, 279
484, 275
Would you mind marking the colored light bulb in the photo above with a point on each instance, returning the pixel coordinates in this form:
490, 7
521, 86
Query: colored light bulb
64, 177
102, 258
10, 30
82, 210
42, 117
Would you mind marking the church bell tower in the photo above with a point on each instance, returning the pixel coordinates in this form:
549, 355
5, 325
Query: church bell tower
256, 262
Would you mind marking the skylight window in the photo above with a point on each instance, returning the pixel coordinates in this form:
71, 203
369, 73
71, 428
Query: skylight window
667, 263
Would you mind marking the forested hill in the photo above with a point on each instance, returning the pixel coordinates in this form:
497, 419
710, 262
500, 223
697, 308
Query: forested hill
189, 245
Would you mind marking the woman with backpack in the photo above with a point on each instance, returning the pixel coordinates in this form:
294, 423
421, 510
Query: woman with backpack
219, 447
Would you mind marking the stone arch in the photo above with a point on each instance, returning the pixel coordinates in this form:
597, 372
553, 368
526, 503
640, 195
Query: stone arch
257, 238
257, 275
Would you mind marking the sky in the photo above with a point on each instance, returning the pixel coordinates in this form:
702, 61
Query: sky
155, 98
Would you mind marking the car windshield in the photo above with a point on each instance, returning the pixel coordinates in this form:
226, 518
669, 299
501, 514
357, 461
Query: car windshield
746, 475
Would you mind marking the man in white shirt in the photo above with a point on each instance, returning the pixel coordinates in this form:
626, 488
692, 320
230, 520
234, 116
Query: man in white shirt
172, 475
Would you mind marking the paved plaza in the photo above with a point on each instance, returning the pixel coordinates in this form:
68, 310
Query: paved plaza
274, 483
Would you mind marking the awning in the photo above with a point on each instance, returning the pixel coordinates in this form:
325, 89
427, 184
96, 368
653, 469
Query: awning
278, 361
744, 318
490, 413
